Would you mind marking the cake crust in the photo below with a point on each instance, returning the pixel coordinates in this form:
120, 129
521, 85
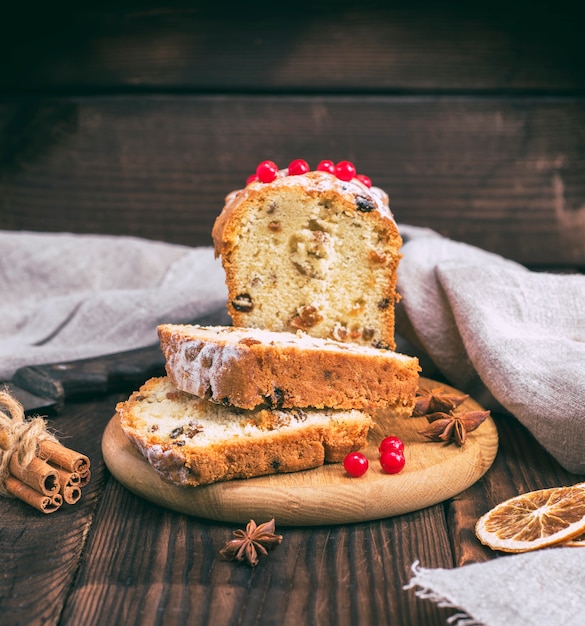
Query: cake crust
190, 441
250, 368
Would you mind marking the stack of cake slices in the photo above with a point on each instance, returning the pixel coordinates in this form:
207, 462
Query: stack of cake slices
244, 402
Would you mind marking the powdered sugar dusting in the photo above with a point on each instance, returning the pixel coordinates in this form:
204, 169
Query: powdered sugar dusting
199, 363
213, 347
321, 182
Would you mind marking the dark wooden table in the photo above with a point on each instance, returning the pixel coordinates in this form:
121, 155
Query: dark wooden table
137, 117
114, 558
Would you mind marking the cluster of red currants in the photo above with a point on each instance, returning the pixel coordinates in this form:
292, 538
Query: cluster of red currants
392, 459
267, 171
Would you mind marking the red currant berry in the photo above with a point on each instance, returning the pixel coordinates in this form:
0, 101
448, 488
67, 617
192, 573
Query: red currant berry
355, 464
298, 167
326, 166
364, 179
345, 170
267, 171
252, 179
392, 461
391, 443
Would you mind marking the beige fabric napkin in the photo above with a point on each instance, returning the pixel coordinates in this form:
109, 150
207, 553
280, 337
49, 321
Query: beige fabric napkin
513, 339
66, 297
506, 335
539, 588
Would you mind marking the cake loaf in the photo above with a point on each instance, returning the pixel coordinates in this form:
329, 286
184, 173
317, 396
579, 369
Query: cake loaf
311, 252
250, 367
190, 441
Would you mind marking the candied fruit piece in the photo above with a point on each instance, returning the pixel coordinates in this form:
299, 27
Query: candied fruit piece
364, 204
243, 303
307, 317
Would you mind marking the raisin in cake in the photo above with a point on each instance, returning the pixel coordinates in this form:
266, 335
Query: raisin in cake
250, 367
311, 252
191, 441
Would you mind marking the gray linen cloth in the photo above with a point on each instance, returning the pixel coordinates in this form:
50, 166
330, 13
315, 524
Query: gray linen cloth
538, 588
67, 297
508, 336
513, 339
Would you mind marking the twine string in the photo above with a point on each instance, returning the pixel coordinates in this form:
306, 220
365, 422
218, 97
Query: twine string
18, 435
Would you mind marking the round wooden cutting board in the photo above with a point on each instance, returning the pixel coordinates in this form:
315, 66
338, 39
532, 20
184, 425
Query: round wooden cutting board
327, 495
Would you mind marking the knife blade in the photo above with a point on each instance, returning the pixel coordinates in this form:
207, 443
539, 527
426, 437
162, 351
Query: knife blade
89, 377
31, 402
48, 386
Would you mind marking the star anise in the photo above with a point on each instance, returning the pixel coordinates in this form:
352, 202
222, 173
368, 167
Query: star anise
437, 400
252, 542
449, 427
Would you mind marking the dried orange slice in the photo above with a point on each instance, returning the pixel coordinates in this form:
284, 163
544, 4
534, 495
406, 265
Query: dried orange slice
533, 520
577, 542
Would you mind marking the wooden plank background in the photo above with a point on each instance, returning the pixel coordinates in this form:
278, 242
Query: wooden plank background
138, 117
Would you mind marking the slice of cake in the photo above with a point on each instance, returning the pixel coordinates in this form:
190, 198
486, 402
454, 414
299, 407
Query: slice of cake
250, 367
191, 441
311, 251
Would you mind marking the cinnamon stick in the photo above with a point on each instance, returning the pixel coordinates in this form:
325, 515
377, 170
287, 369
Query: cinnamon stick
70, 486
37, 474
41, 502
34, 480
84, 478
57, 454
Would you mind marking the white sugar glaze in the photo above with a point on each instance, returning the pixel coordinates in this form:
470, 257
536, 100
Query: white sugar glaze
320, 182
234, 341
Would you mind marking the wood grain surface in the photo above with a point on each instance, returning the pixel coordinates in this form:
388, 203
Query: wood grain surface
309, 45
117, 557
136, 117
502, 174
434, 472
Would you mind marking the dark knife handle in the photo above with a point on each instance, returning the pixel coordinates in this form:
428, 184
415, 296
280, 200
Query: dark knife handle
93, 376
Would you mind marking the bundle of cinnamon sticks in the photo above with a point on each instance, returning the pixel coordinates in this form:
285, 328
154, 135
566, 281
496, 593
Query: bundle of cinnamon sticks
34, 466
